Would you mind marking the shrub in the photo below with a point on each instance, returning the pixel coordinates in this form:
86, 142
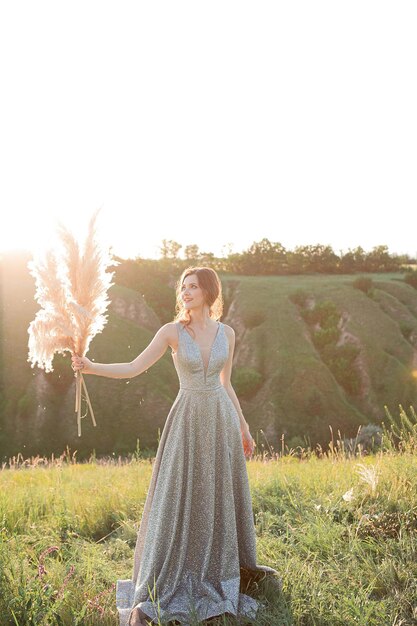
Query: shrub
402, 431
324, 336
246, 381
407, 329
369, 437
299, 297
411, 278
296, 444
364, 284
324, 313
340, 360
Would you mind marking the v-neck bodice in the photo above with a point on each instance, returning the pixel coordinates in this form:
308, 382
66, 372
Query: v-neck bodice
205, 367
188, 360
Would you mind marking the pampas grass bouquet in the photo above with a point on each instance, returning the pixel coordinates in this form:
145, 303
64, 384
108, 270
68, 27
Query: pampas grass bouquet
72, 285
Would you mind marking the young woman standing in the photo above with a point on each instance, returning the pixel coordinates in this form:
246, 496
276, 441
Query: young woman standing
197, 536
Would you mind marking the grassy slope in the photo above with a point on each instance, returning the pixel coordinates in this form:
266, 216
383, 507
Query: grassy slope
300, 392
342, 561
299, 395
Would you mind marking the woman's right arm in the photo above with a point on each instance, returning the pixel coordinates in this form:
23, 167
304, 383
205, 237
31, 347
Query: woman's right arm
152, 353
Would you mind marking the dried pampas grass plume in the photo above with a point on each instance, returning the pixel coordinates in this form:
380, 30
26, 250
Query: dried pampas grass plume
72, 291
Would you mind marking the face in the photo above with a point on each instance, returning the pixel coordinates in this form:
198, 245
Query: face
191, 293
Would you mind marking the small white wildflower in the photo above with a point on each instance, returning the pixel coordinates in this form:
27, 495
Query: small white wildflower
348, 496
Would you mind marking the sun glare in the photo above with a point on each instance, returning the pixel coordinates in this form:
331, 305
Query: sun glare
35, 233
23, 232
282, 129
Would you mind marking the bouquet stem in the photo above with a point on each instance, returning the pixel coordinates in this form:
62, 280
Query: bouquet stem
79, 386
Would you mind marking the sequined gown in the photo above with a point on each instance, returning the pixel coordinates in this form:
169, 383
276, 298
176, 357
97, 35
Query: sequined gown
197, 529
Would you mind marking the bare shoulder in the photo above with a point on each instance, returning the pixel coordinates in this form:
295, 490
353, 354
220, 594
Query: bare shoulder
230, 333
169, 330
167, 335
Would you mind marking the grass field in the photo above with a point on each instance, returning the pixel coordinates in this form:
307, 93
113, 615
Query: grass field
341, 530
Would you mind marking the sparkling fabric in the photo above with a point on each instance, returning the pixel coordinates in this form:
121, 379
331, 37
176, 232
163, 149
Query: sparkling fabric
197, 530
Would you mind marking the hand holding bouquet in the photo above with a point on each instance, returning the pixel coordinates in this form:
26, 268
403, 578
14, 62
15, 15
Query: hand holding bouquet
82, 363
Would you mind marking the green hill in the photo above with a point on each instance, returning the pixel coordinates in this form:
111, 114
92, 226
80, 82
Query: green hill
311, 351
307, 373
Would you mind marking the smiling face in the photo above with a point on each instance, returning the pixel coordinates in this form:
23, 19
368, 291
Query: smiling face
191, 293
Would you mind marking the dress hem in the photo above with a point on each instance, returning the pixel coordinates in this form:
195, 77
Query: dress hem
247, 607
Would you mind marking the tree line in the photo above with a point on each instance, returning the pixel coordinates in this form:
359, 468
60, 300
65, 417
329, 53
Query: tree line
267, 257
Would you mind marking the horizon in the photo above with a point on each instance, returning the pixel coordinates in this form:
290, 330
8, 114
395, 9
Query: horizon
225, 254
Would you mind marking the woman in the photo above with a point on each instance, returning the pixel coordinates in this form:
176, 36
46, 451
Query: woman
196, 544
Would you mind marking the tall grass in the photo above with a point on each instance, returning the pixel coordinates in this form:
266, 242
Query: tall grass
339, 525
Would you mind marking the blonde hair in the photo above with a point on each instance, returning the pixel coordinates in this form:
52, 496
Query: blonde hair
210, 283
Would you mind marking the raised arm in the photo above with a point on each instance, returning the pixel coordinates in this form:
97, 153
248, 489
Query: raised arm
152, 353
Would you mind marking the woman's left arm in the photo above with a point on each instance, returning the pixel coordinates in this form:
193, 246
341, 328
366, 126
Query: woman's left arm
226, 373
247, 439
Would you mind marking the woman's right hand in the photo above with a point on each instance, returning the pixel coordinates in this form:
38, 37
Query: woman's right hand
248, 441
82, 364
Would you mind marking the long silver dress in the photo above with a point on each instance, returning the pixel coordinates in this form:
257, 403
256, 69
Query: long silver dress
197, 532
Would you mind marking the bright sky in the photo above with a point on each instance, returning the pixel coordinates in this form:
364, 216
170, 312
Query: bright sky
216, 123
